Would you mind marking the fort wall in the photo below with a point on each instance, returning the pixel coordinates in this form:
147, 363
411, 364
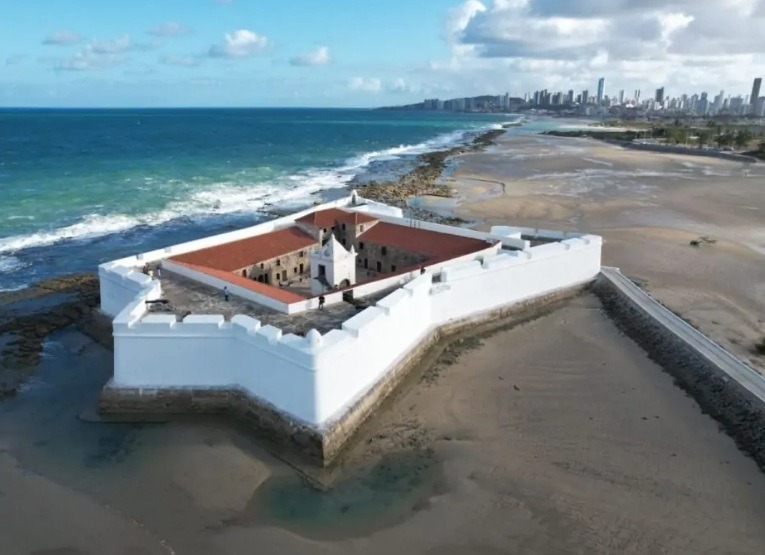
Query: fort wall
315, 378
320, 387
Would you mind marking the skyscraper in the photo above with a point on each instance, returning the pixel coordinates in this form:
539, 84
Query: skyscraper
660, 95
601, 86
755, 91
621, 96
754, 98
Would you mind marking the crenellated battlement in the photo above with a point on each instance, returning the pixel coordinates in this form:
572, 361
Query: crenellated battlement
315, 379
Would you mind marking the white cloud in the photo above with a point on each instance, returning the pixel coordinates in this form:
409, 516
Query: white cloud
115, 46
376, 85
365, 84
317, 57
89, 60
522, 45
183, 61
239, 44
63, 38
169, 29
102, 54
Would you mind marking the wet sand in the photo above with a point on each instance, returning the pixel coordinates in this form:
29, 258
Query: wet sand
648, 207
555, 436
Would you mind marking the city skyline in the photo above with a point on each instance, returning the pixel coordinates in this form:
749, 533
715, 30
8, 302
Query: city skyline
601, 104
344, 53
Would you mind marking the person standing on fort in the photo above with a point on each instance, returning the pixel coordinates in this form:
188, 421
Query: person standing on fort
225, 293
158, 272
322, 300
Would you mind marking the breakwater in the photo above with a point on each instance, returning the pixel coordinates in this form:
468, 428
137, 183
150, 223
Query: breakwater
724, 387
423, 179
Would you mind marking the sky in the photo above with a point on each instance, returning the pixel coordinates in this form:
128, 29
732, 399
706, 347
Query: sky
363, 53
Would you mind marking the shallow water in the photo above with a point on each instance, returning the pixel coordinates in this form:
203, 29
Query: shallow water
41, 427
359, 502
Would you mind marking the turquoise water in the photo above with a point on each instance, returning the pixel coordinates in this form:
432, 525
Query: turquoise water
78, 187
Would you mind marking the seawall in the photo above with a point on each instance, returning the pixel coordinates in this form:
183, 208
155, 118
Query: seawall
723, 386
277, 429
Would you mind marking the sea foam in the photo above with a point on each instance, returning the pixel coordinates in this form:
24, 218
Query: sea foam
232, 198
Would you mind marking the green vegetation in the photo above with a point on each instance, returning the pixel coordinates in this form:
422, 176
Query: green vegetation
728, 135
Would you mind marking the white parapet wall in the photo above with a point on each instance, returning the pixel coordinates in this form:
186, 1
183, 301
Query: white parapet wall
316, 379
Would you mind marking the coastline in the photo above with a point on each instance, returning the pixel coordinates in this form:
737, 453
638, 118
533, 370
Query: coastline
651, 208
426, 178
625, 138
531, 453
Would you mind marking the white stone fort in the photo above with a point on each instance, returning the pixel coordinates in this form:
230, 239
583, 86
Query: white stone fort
327, 309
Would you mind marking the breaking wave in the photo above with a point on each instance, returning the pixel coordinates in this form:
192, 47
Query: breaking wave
230, 198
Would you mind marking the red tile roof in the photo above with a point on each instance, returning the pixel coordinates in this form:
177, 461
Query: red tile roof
276, 293
422, 241
245, 252
327, 218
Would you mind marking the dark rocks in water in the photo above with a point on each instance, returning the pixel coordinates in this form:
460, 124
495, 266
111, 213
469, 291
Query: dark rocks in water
422, 180
31, 314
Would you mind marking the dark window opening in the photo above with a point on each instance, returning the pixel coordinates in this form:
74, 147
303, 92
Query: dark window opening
384, 251
261, 266
322, 270
278, 262
244, 273
366, 263
266, 279
301, 268
284, 275
343, 227
379, 266
361, 245
301, 253
392, 267
295, 270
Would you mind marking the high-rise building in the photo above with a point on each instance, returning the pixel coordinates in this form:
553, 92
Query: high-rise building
585, 96
659, 96
601, 87
755, 91
637, 96
703, 105
621, 96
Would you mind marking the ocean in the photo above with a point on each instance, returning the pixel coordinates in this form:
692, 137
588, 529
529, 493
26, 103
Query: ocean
80, 187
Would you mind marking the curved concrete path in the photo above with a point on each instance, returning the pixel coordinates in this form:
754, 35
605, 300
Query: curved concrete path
735, 368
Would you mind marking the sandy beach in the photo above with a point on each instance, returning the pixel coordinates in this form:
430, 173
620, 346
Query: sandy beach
648, 207
554, 434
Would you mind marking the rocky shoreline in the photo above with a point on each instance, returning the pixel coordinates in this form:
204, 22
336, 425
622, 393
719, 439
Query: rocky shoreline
423, 179
28, 316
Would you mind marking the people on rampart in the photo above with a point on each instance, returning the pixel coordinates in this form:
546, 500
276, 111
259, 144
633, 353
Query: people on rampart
225, 293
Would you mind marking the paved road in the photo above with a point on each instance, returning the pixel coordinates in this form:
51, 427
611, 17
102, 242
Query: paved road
732, 366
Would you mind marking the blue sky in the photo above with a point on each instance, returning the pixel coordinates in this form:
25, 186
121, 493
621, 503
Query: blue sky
366, 52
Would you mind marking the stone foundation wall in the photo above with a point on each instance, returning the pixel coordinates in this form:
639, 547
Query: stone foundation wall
279, 430
276, 429
723, 398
